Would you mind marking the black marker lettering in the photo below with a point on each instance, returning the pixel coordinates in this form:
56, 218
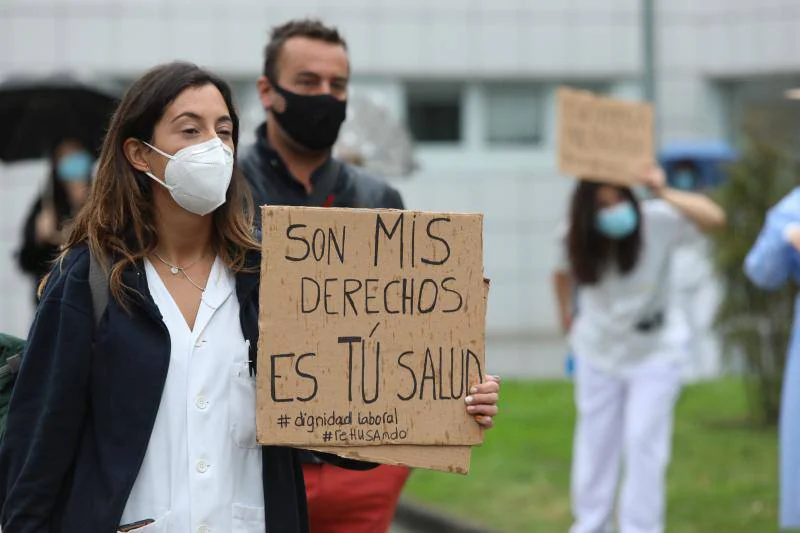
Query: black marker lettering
408, 296
414, 242
370, 295
428, 376
437, 238
319, 237
377, 373
446, 289
274, 376
333, 243
380, 226
461, 379
442, 395
413, 376
348, 295
386, 297
472, 357
289, 231
306, 376
305, 309
350, 341
422, 309
328, 297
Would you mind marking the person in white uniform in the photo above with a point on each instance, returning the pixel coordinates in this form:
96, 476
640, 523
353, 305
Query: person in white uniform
618, 252
145, 422
697, 293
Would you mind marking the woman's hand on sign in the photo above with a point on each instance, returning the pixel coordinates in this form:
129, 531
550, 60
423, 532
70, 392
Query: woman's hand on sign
47, 227
482, 401
652, 176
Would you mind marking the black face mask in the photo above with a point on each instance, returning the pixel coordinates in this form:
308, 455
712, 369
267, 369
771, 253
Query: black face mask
312, 121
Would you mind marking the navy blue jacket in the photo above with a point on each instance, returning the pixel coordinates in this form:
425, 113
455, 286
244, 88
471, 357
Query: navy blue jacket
336, 184
84, 406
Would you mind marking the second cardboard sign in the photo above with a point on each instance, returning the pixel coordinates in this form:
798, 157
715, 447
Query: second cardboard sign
601, 138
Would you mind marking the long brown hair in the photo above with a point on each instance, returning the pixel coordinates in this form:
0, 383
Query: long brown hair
117, 221
591, 252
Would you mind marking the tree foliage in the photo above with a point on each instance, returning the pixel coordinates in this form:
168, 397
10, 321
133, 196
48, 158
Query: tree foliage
754, 324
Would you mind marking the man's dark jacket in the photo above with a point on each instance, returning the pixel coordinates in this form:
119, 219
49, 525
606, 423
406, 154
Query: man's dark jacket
335, 184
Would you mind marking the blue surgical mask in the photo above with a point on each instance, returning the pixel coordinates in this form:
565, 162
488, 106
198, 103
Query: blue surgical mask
76, 166
684, 180
617, 222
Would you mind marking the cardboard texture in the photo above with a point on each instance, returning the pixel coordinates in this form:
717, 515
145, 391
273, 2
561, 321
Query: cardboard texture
452, 459
372, 328
603, 139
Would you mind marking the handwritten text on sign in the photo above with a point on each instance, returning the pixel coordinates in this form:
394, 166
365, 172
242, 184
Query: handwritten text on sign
602, 138
372, 327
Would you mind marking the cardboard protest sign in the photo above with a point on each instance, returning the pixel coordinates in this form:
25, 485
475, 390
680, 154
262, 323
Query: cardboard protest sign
602, 138
452, 459
372, 327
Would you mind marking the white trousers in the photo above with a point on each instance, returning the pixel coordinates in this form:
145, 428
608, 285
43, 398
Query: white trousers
694, 310
623, 417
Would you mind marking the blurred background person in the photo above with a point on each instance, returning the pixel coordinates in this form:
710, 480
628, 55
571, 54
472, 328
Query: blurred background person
696, 166
49, 219
627, 375
565, 291
62, 119
773, 262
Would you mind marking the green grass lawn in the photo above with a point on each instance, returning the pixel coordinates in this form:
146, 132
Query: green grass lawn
723, 477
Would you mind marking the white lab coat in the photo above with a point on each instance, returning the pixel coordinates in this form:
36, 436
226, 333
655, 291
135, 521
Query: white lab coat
202, 469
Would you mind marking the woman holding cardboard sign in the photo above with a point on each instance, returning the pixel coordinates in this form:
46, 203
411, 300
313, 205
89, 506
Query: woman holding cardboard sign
138, 413
627, 377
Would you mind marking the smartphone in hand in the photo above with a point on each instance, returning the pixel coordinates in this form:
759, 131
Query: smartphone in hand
133, 526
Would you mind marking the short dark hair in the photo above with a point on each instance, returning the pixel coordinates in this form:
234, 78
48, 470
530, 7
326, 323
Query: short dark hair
310, 28
590, 252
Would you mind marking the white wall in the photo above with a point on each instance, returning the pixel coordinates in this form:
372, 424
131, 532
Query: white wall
18, 189
390, 37
701, 43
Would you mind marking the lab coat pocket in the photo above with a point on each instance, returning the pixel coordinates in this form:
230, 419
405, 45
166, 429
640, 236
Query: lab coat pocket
159, 525
242, 406
248, 519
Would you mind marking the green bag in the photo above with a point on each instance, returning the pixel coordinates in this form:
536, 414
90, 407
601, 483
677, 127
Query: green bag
11, 348
10, 358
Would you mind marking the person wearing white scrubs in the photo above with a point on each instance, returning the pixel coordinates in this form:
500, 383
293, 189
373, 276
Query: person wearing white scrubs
627, 372
697, 294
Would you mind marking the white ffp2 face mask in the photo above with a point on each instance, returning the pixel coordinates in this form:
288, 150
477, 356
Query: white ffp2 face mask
198, 176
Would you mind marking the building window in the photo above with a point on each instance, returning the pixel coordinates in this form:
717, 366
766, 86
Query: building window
434, 112
514, 114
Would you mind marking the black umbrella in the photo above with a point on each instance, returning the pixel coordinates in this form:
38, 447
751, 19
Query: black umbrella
36, 113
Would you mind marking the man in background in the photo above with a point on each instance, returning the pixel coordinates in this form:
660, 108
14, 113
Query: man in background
304, 90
